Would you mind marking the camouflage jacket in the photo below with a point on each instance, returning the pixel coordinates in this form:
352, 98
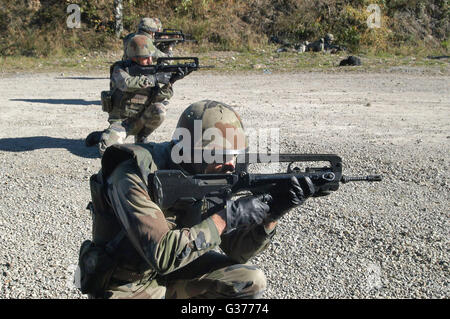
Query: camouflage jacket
122, 79
162, 242
126, 86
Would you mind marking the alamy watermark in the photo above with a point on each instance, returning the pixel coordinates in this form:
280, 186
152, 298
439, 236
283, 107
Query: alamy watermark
374, 20
216, 145
74, 19
373, 277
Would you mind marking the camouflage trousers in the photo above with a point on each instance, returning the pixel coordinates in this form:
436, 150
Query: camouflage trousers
211, 276
140, 127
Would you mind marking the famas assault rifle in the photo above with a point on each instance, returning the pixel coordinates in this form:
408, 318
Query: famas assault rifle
172, 187
172, 36
163, 65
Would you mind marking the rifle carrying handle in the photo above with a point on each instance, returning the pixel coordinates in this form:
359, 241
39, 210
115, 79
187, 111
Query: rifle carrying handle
179, 58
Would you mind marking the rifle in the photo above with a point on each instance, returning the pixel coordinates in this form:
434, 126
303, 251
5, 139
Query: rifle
190, 64
171, 188
171, 37
161, 66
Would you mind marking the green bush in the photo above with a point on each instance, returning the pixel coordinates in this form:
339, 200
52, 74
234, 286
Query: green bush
224, 24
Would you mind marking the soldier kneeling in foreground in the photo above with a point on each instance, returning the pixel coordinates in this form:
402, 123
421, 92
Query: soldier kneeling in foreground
140, 251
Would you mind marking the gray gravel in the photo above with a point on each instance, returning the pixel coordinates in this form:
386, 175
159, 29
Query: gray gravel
383, 240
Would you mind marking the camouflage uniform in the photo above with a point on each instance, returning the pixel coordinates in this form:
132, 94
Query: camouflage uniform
131, 113
330, 46
316, 46
166, 255
174, 253
325, 45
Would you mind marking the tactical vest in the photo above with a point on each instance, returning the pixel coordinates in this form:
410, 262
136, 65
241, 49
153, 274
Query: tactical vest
110, 255
150, 157
130, 104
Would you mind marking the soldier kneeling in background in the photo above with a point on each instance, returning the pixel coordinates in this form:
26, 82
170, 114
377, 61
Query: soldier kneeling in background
136, 103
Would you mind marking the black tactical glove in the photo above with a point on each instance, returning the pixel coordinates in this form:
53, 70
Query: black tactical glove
163, 77
245, 211
181, 73
289, 195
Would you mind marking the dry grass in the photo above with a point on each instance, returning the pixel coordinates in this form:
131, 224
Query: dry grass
264, 60
227, 25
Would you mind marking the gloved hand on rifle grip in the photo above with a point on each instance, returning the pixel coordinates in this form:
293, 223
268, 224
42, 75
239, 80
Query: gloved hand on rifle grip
289, 195
246, 211
181, 73
163, 77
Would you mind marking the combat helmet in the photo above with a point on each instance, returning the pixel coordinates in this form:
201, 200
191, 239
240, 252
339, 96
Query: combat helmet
148, 25
215, 131
329, 38
140, 47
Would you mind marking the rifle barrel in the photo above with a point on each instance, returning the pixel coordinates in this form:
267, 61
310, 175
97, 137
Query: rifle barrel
369, 178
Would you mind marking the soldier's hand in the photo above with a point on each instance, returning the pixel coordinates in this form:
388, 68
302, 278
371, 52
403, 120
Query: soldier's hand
181, 73
163, 77
145, 81
245, 211
289, 195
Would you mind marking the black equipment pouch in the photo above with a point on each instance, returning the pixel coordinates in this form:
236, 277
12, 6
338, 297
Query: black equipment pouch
97, 259
97, 264
106, 97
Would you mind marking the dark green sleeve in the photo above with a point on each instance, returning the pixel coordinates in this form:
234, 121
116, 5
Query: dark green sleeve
164, 248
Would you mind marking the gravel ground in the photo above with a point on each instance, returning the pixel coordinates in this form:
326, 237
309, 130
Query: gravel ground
382, 240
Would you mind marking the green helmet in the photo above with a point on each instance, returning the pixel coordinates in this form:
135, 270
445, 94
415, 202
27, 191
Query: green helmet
140, 47
215, 131
148, 25
329, 38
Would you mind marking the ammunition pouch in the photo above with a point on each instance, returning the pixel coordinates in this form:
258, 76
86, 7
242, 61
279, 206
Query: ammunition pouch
135, 105
96, 267
129, 105
106, 97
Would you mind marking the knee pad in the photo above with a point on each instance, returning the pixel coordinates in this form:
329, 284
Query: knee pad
250, 281
259, 283
154, 115
115, 134
155, 109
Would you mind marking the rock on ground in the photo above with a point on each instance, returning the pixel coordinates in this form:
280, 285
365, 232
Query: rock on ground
384, 240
